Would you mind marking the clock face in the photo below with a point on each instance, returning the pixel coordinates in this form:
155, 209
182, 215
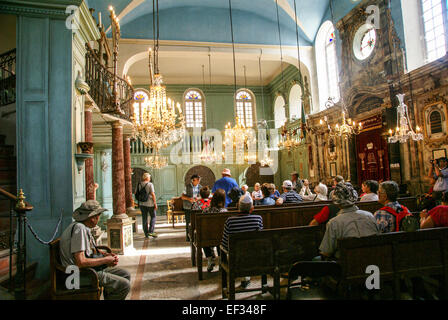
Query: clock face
364, 42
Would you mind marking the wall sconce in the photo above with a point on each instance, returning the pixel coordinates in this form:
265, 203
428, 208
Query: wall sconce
87, 153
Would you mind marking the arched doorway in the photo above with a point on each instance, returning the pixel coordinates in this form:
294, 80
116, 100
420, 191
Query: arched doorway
207, 176
253, 175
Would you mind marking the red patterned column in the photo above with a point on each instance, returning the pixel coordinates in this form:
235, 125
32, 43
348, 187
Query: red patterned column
127, 173
118, 184
88, 132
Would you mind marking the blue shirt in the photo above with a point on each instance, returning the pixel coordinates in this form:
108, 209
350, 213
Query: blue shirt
275, 195
267, 202
225, 183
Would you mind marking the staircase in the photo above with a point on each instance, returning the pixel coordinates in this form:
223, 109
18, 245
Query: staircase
8, 177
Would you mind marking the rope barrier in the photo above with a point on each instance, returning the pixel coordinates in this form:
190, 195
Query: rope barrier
37, 236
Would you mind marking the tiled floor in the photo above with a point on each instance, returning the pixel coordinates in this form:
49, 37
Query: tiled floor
161, 269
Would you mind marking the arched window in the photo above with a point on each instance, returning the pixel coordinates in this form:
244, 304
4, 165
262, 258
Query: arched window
332, 66
279, 112
295, 102
433, 12
140, 98
327, 65
194, 109
435, 121
245, 108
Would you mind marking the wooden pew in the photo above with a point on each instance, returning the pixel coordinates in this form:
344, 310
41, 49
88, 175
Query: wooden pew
266, 252
398, 254
211, 225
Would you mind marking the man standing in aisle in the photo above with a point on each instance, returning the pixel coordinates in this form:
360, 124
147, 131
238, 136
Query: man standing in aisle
147, 204
190, 196
226, 183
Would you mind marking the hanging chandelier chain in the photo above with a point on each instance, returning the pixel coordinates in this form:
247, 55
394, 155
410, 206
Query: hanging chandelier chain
280, 41
233, 45
261, 80
298, 44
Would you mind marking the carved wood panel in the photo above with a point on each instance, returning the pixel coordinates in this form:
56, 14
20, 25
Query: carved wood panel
253, 175
207, 176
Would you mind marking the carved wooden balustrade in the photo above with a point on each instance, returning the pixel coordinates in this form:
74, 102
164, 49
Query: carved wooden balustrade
8, 77
102, 83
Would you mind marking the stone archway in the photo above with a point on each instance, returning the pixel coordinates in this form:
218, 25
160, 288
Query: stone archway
253, 175
207, 176
137, 174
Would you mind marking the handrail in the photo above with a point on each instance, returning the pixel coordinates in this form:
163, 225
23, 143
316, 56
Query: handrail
104, 85
13, 198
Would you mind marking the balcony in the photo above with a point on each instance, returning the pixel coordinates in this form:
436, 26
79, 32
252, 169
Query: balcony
8, 78
112, 94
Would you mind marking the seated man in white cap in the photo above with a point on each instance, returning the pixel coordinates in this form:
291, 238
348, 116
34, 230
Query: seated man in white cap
78, 247
288, 195
244, 222
226, 183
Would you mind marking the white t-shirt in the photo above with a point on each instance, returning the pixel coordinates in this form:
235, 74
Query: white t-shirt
257, 194
369, 197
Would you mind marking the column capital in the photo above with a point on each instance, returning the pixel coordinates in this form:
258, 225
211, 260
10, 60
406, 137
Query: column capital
116, 124
88, 105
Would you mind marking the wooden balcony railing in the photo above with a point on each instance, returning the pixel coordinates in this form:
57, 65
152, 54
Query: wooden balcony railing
8, 77
112, 94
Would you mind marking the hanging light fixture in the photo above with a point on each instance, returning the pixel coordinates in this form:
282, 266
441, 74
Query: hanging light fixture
156, 161
404, 130
208, 155
156, 122
348, 127
238, 135
288, 137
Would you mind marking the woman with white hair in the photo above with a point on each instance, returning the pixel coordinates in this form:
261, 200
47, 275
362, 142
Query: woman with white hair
321, 194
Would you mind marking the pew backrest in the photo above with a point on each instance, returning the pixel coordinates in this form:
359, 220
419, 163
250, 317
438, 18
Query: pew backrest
273, 250
397, 253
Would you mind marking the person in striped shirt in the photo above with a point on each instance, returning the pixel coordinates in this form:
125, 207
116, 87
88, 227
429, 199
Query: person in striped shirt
244, 222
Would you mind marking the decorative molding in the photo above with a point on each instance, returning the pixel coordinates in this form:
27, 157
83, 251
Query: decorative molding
38, 8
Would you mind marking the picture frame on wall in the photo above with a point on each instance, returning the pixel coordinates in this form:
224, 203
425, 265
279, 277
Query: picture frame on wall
333, 169
438, 153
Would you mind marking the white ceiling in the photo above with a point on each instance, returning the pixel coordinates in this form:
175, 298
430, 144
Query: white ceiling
187, 69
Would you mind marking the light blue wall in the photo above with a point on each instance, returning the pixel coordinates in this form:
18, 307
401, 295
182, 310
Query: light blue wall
44, 115
213, 25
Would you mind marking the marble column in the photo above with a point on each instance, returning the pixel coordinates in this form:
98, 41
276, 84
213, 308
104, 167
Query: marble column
128, 174
88, 132
119, 226
118, 184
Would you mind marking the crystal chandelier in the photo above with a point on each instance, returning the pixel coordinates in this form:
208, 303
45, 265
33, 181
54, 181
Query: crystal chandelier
240, 138
156, 122
207, 155
347, 128
289, 139
404, 130
267, 161
156, 161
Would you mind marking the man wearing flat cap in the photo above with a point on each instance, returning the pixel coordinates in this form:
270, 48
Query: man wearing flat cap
78, 247
349, 223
